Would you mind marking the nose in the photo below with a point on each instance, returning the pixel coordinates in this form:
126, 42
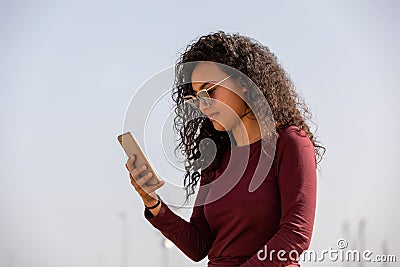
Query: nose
203, 107
205, 103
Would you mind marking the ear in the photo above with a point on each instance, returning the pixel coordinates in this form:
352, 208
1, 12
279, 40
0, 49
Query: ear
243, 92
242, 88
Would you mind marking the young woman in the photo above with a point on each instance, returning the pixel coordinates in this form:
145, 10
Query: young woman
271, 224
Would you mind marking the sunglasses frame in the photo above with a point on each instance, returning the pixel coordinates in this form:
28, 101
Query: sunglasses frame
206, 99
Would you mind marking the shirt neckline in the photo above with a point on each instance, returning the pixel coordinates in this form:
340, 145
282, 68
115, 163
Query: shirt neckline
251, 145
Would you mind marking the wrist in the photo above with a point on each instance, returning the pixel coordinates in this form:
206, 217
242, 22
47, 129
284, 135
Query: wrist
153, 204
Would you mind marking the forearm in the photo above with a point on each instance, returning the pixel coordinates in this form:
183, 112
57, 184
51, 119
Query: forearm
193, 238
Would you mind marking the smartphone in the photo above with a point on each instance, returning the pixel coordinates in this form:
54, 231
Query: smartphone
131, 147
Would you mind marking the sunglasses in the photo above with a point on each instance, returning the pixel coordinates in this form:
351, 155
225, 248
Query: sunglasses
203, 96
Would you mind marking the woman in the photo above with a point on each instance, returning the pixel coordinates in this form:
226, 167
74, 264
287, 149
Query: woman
238, 227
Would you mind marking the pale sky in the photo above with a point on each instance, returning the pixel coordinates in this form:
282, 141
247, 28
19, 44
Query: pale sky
69, 69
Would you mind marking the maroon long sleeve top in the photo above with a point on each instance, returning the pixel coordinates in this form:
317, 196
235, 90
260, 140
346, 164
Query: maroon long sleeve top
242, 228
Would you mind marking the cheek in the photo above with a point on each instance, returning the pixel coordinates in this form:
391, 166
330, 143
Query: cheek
231, 107
226, 119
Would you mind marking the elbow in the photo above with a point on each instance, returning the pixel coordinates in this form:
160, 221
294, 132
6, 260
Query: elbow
197, 257
303, 242
304, 245
198, 251
297, 240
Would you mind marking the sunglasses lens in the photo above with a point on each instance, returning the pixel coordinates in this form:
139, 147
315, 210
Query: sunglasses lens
205, 98
206, 101
203, 94
194, 103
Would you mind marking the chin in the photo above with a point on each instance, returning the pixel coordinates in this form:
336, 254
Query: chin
218, 126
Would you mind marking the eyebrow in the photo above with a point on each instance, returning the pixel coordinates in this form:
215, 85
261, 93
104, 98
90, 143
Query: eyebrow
206, 83
215, 83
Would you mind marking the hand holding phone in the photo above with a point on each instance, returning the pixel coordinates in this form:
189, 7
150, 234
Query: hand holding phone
131, 147
144, 184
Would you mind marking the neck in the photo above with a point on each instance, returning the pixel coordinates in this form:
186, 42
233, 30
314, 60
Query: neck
247, 131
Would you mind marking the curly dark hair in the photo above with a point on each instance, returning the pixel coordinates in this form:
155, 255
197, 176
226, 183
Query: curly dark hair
258, 63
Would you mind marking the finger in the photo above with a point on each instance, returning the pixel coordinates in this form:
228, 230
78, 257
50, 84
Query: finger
135, 185
133, 182
146, 191
141, 183
130, 162
150, 189
141, 190
143, 180
136, 172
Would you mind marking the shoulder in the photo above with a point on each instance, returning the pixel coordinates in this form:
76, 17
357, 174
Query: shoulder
293, 141
292, 134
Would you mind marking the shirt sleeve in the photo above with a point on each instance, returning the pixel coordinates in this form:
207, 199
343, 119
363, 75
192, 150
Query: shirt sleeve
193, 238
297, 186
